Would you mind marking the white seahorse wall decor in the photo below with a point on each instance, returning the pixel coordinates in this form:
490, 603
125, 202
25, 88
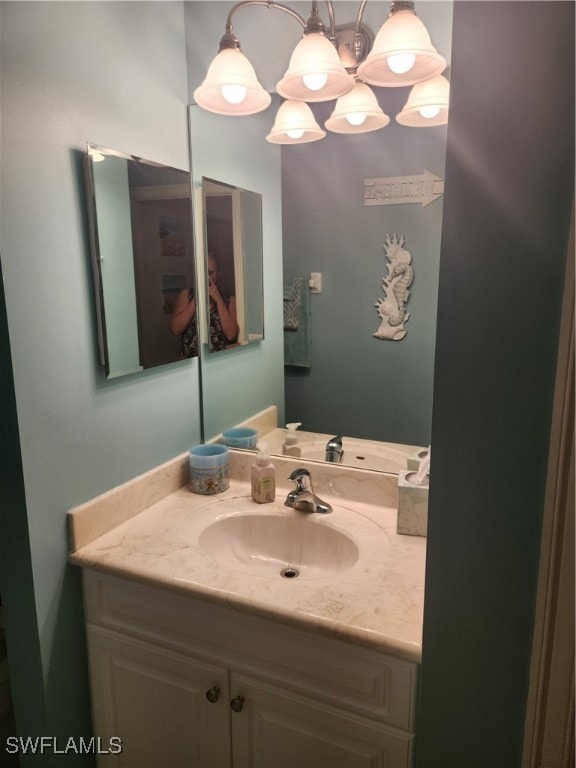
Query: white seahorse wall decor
392, 308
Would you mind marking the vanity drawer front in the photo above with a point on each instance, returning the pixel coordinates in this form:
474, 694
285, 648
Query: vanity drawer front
336, 671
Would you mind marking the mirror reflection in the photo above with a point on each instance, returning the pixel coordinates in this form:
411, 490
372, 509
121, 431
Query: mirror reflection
233, 264
346, 379
140, 219
375, 393
341, 449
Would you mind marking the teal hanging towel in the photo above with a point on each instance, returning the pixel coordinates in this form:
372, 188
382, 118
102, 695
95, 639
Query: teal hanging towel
297, 340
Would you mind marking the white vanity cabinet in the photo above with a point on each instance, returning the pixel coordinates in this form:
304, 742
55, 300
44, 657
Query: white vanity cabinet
155, 701
188, 683
282, 729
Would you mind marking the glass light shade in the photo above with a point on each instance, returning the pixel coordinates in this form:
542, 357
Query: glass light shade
430, 97
230, 70
361, 101
295, 124
315, 56
401, 36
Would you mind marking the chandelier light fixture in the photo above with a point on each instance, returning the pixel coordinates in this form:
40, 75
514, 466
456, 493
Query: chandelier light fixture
315, 72
231, 86
427, 104
295, 124
402, 53
338, 63
357, 112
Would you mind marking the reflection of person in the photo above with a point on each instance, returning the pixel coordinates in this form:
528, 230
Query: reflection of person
223, 323
183, 322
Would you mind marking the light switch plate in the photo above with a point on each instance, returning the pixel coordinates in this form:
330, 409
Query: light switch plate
315, 282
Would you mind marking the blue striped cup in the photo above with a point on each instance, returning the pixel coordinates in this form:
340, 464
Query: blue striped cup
240, 437
209, 469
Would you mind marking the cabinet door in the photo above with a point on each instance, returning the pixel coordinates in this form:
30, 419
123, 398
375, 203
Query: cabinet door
280, 729
156, 702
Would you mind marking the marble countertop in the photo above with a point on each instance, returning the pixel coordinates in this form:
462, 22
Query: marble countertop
149, 531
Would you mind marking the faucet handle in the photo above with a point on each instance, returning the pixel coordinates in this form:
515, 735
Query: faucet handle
301, 477
303, 496
301, 472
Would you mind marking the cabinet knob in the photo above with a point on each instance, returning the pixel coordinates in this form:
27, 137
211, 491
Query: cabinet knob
213, 694
237, 704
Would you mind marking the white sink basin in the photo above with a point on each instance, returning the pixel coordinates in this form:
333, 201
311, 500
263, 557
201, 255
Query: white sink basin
288, 545
356, 454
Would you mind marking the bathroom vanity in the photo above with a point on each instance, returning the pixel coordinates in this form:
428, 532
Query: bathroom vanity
202, 654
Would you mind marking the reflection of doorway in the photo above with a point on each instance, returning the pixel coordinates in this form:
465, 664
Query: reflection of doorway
163, 266
220, 236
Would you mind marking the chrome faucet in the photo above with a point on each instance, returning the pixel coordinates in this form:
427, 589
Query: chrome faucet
303, 496
334, 450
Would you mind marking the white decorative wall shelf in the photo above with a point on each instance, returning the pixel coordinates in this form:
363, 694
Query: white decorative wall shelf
392, 309
400, 190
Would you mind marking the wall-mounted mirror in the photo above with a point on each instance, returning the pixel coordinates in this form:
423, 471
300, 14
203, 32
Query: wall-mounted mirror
140, 218
234, 315
356, 384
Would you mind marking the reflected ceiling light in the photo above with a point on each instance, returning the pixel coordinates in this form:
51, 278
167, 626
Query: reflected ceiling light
315, 72
295, 124
357, 112
231, 86
332, 62
402, 53
427, 104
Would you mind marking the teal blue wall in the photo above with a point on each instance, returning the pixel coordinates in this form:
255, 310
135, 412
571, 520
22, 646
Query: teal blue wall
114, 74
509, 194
386, 386
356, 384
16, 577
359, 385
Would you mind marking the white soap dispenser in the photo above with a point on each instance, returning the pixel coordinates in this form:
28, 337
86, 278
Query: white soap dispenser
263, 476
290, 447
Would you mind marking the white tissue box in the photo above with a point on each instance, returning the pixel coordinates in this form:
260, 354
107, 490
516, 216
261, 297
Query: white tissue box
412, 506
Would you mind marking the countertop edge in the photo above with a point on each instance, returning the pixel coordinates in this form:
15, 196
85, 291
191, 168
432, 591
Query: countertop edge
399, 648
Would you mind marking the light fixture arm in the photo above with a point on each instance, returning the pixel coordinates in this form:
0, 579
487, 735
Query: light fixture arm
229, 40
268, 4
357, 33
332, 17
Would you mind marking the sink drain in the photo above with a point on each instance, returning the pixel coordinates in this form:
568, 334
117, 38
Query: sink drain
289, 573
